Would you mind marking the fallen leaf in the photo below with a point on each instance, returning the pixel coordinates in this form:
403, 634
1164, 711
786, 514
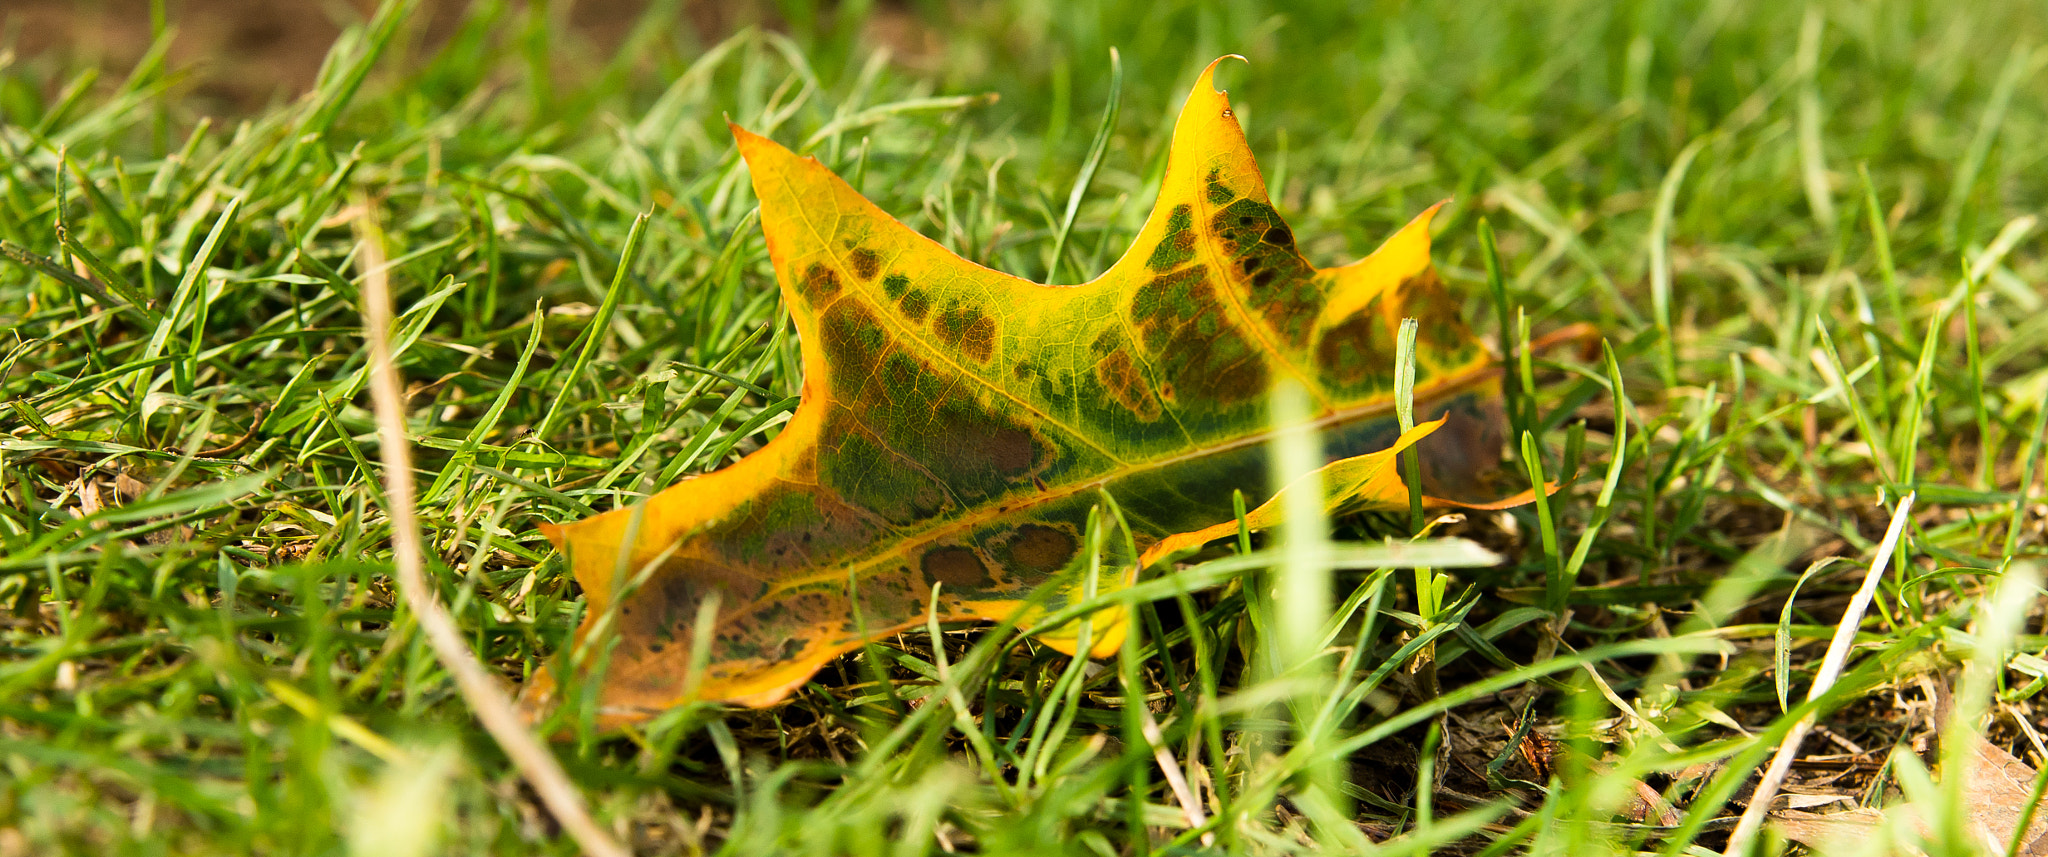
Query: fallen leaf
958, 424
1828, 833
1995, 794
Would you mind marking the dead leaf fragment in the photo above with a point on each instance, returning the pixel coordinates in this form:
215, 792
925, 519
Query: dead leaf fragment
1827, 833
1996, 796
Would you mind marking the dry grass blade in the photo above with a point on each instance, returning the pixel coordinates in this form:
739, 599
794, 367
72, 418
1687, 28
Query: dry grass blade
1830, 670
1190, 806
490, 702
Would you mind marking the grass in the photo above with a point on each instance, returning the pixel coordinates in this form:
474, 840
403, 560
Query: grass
1805, 230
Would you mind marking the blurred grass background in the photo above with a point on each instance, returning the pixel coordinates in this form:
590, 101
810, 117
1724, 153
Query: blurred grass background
1808, 230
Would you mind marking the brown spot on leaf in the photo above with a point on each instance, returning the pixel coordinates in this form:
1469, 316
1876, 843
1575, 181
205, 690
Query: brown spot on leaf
914, 304
820, 282
954, 566
968, 329
854, 341
980, 339
866, 263
1120, 376
1041, 549
1198, 354
1011, 450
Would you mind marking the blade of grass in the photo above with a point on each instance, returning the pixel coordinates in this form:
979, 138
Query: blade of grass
1096, 149
598, 329
1659, 242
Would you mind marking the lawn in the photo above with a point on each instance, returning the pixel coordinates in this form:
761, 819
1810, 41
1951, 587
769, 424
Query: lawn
1807, 234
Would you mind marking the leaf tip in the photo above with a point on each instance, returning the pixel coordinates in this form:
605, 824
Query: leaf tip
1209, 74
752, 146
1406, 253
554, 532
1422, 220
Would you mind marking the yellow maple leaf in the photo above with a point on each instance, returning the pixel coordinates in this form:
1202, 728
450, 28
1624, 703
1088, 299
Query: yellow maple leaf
957, 423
